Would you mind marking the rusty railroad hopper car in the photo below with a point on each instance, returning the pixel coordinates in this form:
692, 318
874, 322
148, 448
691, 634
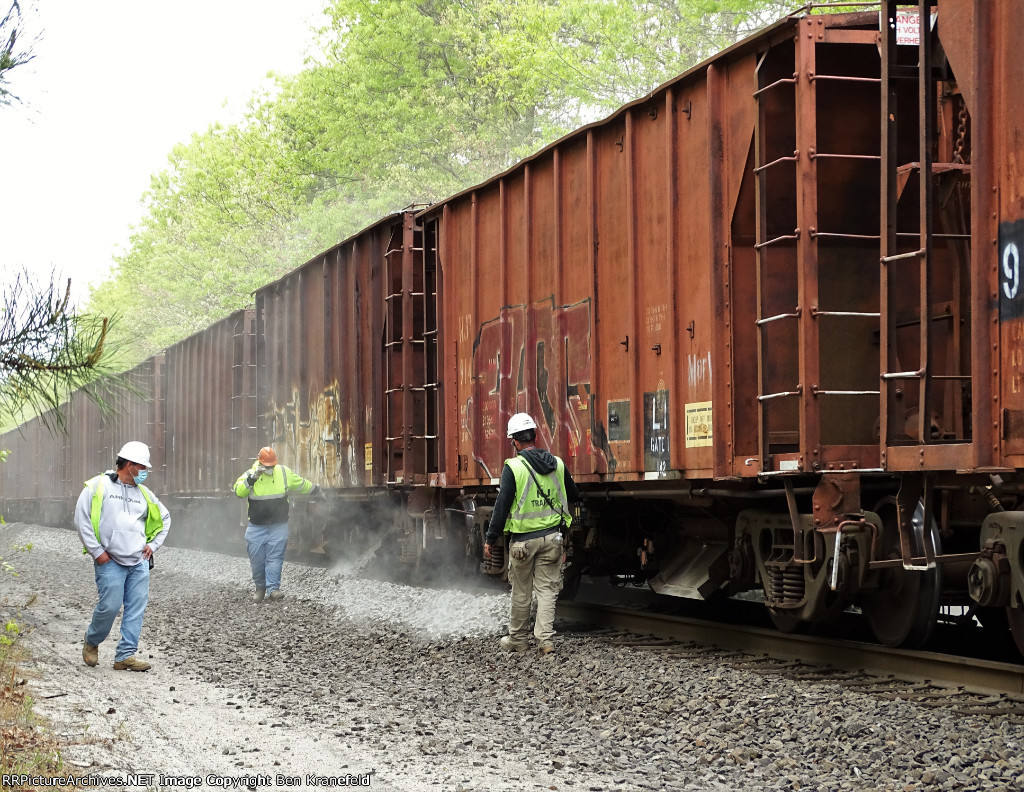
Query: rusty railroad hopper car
208, 432
774, 354
47, 469
193, 404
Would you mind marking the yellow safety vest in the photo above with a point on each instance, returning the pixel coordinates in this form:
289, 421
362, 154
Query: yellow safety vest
154, 520
531, 511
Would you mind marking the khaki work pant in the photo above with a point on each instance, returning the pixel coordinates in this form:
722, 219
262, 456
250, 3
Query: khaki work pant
537, 570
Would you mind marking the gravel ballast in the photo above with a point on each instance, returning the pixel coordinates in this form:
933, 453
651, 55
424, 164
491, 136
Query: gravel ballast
407, 689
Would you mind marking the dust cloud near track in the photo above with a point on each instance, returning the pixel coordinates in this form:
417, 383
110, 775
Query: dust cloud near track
406, 689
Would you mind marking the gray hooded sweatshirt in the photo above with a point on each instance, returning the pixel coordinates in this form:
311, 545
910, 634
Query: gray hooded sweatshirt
122, 521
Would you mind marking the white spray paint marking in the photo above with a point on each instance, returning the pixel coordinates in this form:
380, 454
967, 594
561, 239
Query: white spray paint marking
699, 367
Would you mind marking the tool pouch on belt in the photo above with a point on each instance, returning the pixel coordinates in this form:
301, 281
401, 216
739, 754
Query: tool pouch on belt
517, 550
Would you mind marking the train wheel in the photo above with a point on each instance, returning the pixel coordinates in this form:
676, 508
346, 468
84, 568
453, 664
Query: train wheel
1015, 616
786, 621
904, 609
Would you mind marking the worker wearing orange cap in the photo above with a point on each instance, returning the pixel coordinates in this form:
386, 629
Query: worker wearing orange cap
267, 484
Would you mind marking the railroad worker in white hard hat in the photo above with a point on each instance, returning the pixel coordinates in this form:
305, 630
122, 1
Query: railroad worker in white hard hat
121, 523
532, 506
267, 484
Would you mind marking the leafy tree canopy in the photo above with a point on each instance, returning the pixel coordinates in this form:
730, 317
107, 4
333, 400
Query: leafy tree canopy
408, 101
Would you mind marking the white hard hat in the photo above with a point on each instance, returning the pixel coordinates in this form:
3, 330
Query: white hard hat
520, 422
136, 452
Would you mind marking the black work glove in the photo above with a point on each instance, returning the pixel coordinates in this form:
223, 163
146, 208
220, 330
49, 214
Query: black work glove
317, 493
251, 478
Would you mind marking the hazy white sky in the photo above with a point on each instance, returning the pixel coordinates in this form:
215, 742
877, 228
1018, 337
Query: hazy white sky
113, 87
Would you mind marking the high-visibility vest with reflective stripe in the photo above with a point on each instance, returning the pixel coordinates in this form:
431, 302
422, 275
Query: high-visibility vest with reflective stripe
154, 520
530, 510
281, 481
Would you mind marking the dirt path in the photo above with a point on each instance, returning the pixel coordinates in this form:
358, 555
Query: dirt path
183, 722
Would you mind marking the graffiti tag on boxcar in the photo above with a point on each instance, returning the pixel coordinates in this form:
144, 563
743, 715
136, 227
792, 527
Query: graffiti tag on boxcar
698, 369
283, 427
537, 359
322, 444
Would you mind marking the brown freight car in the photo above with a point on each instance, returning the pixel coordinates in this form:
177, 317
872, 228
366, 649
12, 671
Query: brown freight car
335, 362
208, 401
771, 352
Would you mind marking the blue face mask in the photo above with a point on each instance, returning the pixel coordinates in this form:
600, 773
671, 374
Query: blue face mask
141, 477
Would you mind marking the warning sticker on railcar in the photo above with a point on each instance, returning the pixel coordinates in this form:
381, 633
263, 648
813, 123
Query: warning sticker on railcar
698, 424
908, 27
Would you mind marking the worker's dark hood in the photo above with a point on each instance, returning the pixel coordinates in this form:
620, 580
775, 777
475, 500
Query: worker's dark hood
540, 460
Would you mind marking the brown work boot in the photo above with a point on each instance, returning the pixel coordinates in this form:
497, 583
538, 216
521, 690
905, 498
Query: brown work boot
510, 645
546, 648
258, 595
276, 595
132, 664
90, 654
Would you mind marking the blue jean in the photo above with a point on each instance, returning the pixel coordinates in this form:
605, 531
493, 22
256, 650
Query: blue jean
119, 585
266, 545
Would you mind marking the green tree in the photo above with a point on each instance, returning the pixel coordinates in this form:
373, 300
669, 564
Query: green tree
47, 350
407, 101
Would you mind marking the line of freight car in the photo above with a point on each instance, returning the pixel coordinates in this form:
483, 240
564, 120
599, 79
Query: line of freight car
773, 355
747, 405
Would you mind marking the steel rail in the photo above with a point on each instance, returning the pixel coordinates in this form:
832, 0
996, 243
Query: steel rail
983, 675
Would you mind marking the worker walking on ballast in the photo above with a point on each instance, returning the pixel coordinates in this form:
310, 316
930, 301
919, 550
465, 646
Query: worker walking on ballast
267, 484
121, 524
533, 508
